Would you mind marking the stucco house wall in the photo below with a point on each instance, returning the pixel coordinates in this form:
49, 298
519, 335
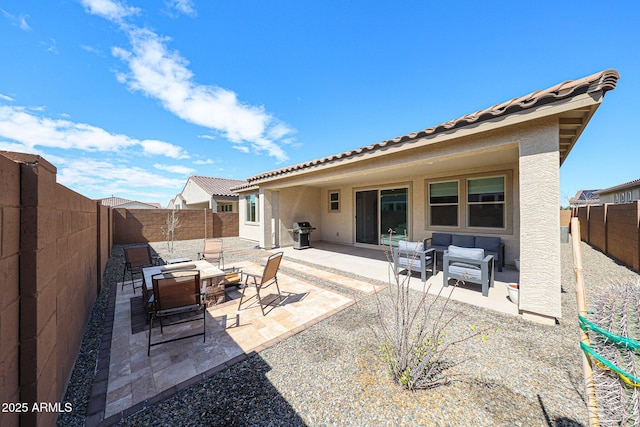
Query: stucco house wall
523, 140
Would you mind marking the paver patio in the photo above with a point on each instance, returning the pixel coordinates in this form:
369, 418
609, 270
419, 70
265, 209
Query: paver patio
135, 377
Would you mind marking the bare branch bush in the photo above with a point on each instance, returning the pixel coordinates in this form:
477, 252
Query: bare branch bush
173, 223
413, 330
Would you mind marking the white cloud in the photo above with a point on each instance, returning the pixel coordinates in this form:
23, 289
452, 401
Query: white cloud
164, 75
23, 23
112, 10
104, 177
27, 130
154, 147
183, 6
175, 169
207, 137
18, 21
242, 148
6, 97
204, 162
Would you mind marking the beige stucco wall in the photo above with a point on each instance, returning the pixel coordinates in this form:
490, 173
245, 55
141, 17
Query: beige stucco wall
247, 230
539, 220
526, 154
610, 197
195, 196
339, 227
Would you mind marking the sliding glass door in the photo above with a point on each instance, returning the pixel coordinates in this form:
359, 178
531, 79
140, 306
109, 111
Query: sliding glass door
378, 211
367, 217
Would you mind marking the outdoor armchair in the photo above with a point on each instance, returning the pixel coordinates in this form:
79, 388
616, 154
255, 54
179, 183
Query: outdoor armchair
176, 293
468, 265
412, 256
135, 259
269, 277
212, 252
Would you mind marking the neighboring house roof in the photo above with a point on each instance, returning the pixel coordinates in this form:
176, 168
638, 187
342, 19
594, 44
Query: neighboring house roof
584, 196
220, 187
116, 202
602, 81
634, 183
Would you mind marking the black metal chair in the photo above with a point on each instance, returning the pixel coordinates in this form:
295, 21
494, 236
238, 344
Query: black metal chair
179, 294
135, 259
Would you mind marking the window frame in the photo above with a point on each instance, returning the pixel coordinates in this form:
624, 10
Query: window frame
510, 212
331, 202
249, 218
430, 205
469, 204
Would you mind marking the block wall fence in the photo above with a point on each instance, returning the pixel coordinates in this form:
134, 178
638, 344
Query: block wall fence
147, 225
55, 244
54, 247
614, 229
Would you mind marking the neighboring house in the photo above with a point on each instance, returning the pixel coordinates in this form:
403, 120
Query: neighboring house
624, 193
118, 202
483, 173
208, 192
584, 198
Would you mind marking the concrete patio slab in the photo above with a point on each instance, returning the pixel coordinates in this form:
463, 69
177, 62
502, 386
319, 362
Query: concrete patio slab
373, 263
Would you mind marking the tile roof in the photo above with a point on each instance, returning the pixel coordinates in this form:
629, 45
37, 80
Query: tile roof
217, 186
119, 201
114, 201
634, 183
603, 81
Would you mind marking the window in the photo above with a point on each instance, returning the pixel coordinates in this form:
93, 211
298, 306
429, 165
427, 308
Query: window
621, 197
615, 198
334, 201
629, 197
226, 207
443, 203
252, 207
486, 202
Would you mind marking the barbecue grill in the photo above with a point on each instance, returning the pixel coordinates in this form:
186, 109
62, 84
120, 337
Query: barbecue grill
301, 231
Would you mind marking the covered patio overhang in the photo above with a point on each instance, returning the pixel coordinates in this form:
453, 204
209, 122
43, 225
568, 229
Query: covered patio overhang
522, 141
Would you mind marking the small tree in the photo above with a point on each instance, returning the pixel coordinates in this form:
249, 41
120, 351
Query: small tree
413, 335
173, 223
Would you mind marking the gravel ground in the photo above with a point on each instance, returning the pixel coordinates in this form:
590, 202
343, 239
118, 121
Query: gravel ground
332, 373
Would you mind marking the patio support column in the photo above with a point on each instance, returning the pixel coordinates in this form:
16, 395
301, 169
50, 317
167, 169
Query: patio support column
539, 167
266, 216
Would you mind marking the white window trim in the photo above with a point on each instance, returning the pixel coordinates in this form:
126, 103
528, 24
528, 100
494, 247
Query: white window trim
256, 220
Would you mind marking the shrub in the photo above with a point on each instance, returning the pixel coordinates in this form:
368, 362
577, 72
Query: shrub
413, 331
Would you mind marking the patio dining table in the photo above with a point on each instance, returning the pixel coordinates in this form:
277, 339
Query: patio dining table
209, 274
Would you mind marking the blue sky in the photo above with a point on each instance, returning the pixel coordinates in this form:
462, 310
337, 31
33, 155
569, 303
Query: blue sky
131, 97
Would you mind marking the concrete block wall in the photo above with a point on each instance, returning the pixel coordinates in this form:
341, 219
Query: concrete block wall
9, 287
146, 225
55, 244
623, 238
614, 229
598, 227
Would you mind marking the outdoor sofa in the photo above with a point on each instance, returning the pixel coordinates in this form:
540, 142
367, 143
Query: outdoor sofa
491, 245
